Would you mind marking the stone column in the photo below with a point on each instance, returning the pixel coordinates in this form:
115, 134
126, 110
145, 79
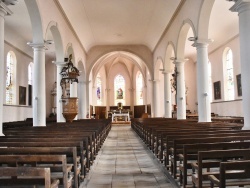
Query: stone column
107, 100
243, 9
153, 103
73, 93
4, 10
59, 110
132, 91
167, 94
145, 98
181, 97
204, 106
39, 89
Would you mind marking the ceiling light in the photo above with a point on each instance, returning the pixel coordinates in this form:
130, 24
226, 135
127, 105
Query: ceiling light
192, 38
10, 2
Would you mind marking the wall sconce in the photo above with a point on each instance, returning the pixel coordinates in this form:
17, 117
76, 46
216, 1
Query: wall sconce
192, 38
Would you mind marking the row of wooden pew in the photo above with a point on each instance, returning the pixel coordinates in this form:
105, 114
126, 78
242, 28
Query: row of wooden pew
199, 154
57, 155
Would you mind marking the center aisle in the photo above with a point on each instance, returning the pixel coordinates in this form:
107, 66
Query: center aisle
123, 161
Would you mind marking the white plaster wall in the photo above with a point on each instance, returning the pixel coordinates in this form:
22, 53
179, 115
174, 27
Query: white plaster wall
191, 84
15, 112
50, 79
221, 107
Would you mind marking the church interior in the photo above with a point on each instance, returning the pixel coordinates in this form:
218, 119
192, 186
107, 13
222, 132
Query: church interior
163, 78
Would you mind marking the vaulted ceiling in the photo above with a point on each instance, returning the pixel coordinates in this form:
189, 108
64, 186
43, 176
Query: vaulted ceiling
121, 22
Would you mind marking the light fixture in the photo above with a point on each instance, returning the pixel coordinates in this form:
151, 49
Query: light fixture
48, 41
192, 38
10, 2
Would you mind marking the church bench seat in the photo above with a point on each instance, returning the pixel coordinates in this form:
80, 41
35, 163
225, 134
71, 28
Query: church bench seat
190, 154
27, 177
232, 174
70, 152
27, 160
200, 175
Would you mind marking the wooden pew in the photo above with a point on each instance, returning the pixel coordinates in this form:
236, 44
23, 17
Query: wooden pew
239, 174
70, 152
80, 151
178, 146
54, 162
190, 153
26, 176
212, 159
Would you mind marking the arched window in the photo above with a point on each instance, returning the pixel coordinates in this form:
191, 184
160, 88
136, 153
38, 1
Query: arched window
119, 84
210, 81
10, 78
30, 82
99, 89
139, 88
229, 78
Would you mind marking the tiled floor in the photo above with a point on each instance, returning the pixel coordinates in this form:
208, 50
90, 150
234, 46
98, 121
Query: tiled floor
124, 161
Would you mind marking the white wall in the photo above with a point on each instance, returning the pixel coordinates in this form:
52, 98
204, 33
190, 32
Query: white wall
220, 106
16, 112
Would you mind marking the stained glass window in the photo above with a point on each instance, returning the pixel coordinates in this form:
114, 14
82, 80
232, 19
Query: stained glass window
10, 64
119, 84
139, 88
229, 75
99, 89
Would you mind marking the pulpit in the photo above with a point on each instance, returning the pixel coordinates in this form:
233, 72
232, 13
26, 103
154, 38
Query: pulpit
70, 104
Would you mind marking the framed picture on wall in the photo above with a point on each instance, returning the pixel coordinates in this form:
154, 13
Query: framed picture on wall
239, 88
217, 90
22, 95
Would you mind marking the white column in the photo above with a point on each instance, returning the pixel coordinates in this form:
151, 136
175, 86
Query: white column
145, 90
107, 101
59, 93
87, 98
243, 8
181, 97
204, 106
3, 12
73, 93
39, 89
154, 99
132, 99
167, 94
81, 99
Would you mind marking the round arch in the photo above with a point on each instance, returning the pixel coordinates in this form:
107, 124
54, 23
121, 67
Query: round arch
52, 27
204, 17
36, 21
170, 52
182, 37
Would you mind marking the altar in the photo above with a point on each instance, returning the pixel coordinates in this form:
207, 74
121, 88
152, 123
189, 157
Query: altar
118, 114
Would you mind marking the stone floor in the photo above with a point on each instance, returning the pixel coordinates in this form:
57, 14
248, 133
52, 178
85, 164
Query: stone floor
124, 161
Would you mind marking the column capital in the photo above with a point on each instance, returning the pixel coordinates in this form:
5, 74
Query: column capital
203, 43
38, 46
5, 9
179, 62
240, 6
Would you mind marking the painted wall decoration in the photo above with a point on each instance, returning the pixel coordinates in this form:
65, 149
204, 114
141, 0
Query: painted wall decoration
217, 90
239, 88
22, 95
